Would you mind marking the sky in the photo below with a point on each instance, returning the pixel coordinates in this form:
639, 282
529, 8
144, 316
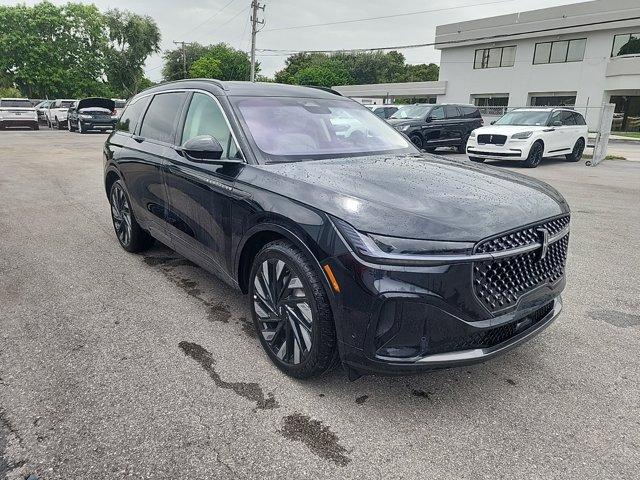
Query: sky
207, 22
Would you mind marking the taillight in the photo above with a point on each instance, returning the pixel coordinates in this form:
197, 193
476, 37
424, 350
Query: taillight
114, 112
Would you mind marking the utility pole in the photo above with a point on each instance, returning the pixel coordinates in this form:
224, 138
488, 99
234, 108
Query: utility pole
184, 57
255, 6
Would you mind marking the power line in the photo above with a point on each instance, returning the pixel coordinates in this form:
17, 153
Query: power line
218, 12
367, 19
446, 42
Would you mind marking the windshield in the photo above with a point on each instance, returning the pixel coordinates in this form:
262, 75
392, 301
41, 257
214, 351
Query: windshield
66, 104
295, 129
412, 111
524, 118
16, 103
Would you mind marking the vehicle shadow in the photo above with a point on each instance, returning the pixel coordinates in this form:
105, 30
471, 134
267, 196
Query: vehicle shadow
462, 384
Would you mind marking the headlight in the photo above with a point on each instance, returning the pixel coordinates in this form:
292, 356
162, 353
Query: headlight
84, 117
403, 251
403, 128
521, 135
472, 134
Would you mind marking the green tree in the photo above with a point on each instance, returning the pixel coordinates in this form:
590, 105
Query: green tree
234, 64
52, 51
132, 38
353, 68
206, 66
10, 92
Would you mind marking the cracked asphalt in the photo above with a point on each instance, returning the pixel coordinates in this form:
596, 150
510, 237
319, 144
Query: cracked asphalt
115, 365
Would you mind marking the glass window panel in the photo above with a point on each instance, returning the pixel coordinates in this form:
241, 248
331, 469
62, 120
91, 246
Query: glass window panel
559, 52
478, 61
495, 57
576, 50
542, 54
508, 56
160, 119
205, 118
618, 42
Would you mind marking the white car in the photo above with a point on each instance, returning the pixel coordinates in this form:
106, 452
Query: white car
17, 112
529, 135
120, 104
57, 113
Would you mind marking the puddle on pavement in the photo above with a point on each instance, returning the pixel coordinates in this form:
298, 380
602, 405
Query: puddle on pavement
317, 436
616, 318
250, 391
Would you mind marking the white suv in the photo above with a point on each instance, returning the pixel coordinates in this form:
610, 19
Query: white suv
17, 112
529, 135
57, 113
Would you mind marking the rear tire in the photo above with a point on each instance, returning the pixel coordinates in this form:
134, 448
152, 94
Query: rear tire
477, 159
70, 126
291, 311
462, 148
130, 235
578, 150
36, 127
59, 124
535, 155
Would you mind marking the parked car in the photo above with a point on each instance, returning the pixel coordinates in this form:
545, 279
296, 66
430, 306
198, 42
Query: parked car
120, 103
93, 113
431, 126
57, 113
383, 111
530, 134
17, 112
353, 248
41, 109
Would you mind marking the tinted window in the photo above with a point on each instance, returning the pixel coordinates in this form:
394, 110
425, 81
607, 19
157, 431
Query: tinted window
205, 118
579, 119
567, 118
16, 103
129, 118
470, 112
161, 117
451, 111
437, 113
66, 104
555, 117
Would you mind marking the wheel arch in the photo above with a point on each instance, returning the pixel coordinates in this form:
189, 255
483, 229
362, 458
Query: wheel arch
109, 179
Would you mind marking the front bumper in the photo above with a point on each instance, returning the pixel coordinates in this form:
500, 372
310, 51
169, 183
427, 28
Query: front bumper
511, 150
99, 124
403, 320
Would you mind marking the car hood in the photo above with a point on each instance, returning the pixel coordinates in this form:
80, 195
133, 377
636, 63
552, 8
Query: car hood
423, 197
97, 102
508, 130
400, 122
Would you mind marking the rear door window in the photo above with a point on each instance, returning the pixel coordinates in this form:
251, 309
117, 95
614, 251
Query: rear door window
451, 112
567, 118
162, 116
129, 118
437, 113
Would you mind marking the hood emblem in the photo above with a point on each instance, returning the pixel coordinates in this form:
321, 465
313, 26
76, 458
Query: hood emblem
543, 234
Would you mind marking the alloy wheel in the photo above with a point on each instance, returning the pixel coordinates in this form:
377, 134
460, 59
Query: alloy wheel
537, 154
283, 311
121, 214
578, 150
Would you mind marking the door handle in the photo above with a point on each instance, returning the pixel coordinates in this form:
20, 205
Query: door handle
549, 130
138, 138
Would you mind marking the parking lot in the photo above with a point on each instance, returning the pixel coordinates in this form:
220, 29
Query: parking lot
115, 365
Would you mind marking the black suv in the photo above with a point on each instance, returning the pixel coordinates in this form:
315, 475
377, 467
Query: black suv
352, 245
432, 126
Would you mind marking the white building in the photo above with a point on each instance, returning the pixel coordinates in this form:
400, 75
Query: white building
570, 55
573, 55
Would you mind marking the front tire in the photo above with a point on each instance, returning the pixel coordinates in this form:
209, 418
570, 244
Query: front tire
535, 155
578, 150
291, 311
416, 140
130, 235
59, 124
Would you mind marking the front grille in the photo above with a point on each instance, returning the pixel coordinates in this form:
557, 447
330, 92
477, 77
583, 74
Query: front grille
523, 237
492, 337
492, 139
500, 283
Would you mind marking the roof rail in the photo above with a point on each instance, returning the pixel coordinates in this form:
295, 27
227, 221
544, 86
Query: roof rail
218, 83
326, 89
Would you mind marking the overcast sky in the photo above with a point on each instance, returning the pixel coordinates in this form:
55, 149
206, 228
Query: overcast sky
202, 21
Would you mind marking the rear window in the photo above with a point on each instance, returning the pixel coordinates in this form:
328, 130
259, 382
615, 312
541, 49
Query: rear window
451, 111
120, 103
129, 118
16, 103
160, 120
470, 112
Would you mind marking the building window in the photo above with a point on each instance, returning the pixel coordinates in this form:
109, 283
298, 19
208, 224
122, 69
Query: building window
495, 57
551, 100
626, 44
495, 105
627, 113
560, 52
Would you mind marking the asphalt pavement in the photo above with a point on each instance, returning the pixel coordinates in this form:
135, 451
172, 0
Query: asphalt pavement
115, 365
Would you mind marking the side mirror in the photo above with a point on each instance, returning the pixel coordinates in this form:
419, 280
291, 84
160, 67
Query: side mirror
204, 148
428, 119
557, 123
